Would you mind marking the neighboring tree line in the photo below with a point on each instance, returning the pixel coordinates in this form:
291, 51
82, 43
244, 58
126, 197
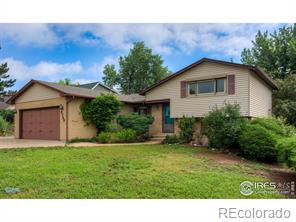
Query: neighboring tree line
276, 54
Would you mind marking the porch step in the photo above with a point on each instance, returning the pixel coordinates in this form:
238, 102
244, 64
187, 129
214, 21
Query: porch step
160, 137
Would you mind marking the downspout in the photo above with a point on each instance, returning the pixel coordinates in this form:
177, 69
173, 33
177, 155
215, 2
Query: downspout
67, 117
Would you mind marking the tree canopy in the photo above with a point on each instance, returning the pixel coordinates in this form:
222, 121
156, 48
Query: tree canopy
65, 82
274, 52
284, 99
138, 70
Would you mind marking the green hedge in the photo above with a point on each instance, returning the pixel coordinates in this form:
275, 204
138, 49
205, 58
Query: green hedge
138, 123
258, 143
223, 126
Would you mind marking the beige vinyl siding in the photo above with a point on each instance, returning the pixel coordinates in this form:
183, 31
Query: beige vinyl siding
200, 105
77, 126
260, 97
37, 92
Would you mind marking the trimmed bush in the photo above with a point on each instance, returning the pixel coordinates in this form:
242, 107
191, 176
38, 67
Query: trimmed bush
78, 140
258, 143
171, 139
138, 123
125, 136
287, 151
272, 124
187, 128
276, 125
104, 137
224, 126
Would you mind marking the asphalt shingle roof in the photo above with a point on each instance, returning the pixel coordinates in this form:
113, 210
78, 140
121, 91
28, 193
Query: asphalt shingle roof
78, 92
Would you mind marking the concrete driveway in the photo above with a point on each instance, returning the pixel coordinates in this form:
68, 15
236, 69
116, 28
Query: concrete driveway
10, 142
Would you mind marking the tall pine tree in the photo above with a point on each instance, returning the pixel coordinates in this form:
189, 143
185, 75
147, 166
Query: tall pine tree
5, 81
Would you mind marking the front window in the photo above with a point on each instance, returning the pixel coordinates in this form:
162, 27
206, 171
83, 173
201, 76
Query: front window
207, 86
220, 85
192, 88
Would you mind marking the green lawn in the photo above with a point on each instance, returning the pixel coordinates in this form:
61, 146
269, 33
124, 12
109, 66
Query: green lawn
146, 171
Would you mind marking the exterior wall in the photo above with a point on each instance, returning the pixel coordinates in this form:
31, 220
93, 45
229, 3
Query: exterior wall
156, 127
37, 92
127, 108
200, 105
41, 104
77, 127
260, 97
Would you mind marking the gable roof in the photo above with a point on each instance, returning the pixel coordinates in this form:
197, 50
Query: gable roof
93, 85
74, 91
257, 70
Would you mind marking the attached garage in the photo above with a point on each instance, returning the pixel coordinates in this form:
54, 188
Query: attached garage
43, 123
50, 111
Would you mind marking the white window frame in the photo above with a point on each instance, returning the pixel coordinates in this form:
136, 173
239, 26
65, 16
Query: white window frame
225, 80
206, 80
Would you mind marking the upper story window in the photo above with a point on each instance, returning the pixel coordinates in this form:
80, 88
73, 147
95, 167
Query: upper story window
207, 86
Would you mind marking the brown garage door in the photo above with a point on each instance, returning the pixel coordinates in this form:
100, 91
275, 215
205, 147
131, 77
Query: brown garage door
41, 124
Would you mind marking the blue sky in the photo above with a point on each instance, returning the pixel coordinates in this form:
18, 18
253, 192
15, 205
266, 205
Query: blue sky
80, 51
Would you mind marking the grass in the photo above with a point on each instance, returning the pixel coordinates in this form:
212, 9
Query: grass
146, 171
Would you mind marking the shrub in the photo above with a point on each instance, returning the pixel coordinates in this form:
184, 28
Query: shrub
272, 124
171, 139
287, 151
4, 127
224, 126
78, 140
104, 137
257, 143
8, 115
139, 123
187, 128
112, 128
101, 110
125, 136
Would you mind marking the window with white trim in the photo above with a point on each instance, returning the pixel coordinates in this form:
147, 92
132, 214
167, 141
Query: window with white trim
207, 86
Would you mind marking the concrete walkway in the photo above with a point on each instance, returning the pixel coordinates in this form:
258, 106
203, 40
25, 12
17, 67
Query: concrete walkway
85, 144
10, 142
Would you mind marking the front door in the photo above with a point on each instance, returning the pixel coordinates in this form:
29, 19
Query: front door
168, 122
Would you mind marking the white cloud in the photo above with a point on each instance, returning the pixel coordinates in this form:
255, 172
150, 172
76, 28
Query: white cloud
42, 70
40, 35
98, 68
226, 39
